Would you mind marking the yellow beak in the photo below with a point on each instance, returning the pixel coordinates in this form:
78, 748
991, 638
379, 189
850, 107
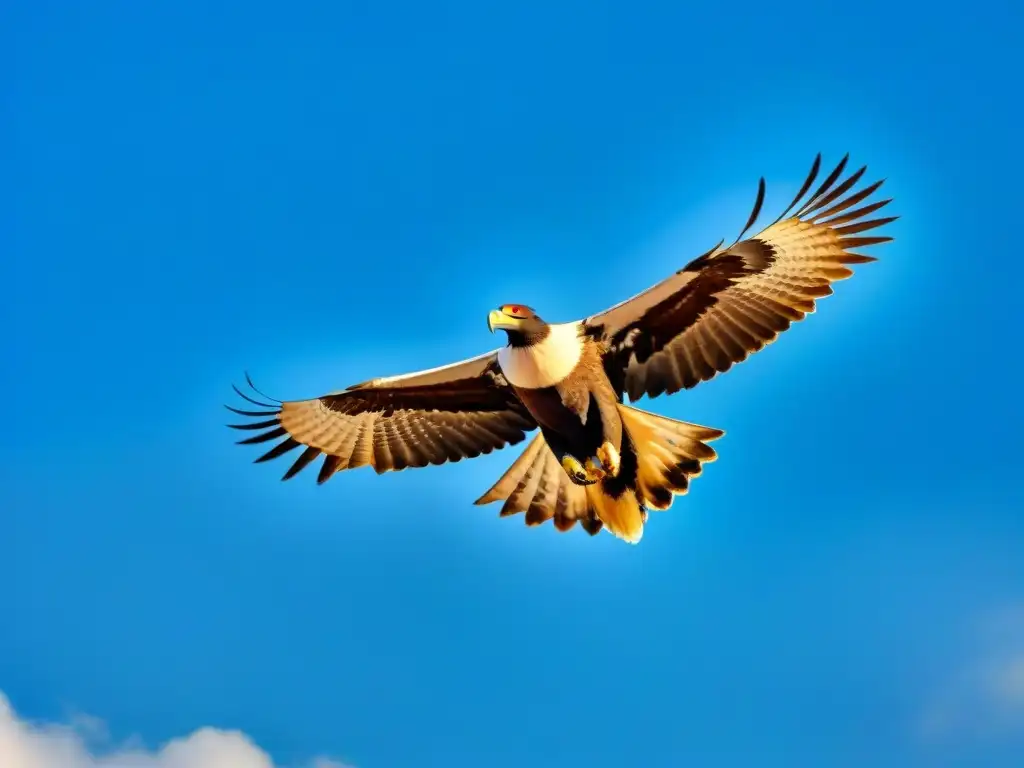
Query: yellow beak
498, 320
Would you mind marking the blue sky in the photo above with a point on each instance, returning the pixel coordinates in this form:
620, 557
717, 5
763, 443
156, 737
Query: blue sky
342, 190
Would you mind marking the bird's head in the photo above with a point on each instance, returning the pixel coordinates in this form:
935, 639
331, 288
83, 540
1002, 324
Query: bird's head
523, 326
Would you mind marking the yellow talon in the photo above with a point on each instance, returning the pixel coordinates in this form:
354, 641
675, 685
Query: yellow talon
609, 457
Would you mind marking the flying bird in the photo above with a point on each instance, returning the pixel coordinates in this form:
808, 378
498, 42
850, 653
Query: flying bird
595, 459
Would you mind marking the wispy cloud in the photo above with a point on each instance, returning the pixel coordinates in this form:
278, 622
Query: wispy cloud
73, 745
984, 698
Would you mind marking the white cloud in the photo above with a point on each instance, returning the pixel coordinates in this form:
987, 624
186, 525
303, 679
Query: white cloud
984, 699
51, 745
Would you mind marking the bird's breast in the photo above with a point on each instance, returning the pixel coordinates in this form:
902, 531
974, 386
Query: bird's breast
545, 363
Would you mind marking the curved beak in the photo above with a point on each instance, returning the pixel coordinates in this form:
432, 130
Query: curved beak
498, 320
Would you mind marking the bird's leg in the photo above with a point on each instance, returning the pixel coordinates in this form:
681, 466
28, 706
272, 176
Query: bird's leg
611, 436
609, 457
575, 470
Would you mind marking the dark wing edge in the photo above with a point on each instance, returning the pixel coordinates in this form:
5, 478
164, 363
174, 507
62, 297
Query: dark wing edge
427, 418
731, 302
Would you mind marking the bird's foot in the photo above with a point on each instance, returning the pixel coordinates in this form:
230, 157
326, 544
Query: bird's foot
609, 457
575, 471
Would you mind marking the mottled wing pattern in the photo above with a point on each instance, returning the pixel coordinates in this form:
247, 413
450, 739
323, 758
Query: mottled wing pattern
431, 417
537, 485
732, 301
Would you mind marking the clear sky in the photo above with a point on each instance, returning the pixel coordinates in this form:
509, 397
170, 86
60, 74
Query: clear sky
325, 192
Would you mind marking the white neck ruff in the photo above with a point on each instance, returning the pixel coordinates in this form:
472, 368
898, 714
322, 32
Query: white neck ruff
546, 363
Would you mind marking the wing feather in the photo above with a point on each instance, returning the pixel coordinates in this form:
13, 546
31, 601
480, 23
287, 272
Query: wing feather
732, 301
430, 417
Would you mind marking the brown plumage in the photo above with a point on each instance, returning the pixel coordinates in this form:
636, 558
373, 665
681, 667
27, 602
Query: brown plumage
597, 460
458, 412
733, 301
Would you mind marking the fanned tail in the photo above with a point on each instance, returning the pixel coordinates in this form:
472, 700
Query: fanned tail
537, 485
659, 457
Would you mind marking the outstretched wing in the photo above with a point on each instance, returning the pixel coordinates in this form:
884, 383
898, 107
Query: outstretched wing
732, 301
444, 414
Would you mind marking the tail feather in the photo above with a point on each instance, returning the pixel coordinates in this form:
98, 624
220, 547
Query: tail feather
659, 458
620, 509
537, 485
670, 454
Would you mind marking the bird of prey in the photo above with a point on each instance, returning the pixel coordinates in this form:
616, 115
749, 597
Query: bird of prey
596, 460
